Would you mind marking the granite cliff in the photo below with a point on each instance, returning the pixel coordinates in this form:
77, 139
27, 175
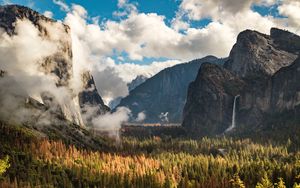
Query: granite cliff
262, 69
59, 66
165, 93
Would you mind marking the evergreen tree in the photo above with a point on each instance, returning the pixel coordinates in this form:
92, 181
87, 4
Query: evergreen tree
280, 184
265, 183
236, 182
4, 165
296, 185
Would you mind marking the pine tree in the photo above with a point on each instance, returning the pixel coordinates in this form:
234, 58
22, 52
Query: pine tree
4, 165
296, 185
280, 184
168, 183
265, 183
236, 182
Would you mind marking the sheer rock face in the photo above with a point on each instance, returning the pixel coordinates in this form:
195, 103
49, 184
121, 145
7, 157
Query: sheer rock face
285, 40
165, 92
90, 97
256, 54
10, 13
209, 101
60, 64
266, 71
286, 88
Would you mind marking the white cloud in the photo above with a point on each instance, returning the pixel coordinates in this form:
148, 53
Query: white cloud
117, 76
178, 24
92, 47
129, 71
48, 14
63, 6
125, 8
140, 117
215, 9
111, 122
142, 35
26, 69
291, 9
229, 18
122, 3
6, 2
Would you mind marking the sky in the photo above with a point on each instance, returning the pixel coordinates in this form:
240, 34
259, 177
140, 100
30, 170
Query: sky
120, 39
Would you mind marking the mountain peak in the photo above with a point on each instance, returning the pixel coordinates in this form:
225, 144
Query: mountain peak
58, 64
286, 40
20, 11
262, 70
136, 82
261, 54
9, 14
276, 32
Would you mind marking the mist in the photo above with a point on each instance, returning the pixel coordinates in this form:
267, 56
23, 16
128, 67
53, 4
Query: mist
28, 64
23, 60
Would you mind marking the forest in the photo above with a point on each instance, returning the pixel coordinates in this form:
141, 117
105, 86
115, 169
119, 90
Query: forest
157, 161
150, 94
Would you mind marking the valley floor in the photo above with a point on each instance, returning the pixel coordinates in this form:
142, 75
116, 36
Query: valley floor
150, 162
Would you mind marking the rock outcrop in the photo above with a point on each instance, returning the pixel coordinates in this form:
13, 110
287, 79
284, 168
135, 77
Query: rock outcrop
256, 54
208, 109
266, 75
59, 65
90, 96
136, 82
165, 93
285, 88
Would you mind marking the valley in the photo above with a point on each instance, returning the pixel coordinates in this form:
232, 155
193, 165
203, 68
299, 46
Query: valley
74, 114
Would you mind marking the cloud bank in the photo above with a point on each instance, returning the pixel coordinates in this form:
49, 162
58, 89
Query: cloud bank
28, 74
149, 35
93, 46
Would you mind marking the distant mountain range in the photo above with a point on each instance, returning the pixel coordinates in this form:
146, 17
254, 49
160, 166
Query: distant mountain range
162, 97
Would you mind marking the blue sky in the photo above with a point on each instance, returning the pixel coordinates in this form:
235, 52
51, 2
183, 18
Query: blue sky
105, 8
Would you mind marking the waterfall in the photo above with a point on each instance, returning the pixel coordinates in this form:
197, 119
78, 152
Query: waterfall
232, 126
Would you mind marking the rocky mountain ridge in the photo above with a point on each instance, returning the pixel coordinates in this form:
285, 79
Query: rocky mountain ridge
165, 93
136, 82
261, 69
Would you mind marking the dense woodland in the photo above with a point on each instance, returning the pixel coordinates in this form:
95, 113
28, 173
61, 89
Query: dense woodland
29, 161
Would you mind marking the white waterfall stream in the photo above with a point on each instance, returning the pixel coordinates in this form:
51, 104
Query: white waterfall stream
232, 126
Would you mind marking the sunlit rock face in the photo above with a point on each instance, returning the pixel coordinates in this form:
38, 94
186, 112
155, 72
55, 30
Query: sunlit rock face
258, 54
60, 63
57, 66
265, 73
